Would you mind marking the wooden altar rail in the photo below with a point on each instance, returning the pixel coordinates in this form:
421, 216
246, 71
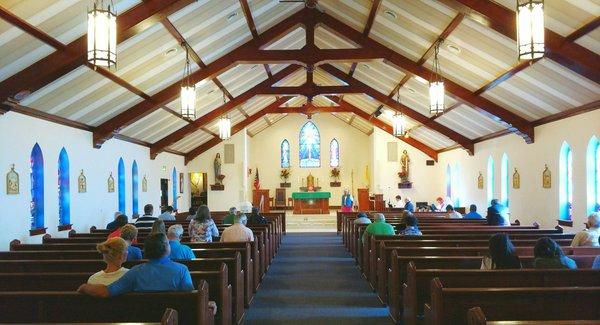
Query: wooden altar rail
408, 303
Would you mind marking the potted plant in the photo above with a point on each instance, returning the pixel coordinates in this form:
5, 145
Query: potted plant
404, 182
335, 174
284, 174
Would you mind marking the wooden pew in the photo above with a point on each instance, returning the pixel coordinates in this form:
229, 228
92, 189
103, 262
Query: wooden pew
415, 291
236, 275
72, 307
450, 305
476, 316
218, 285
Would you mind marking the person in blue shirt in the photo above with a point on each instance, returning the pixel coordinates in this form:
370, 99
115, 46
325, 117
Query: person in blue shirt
347, 201
549, 255
472, 213
179, 251
158, 274
412, 226
408, 205
497, 214
129, 233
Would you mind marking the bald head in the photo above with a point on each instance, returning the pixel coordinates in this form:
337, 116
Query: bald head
594, 220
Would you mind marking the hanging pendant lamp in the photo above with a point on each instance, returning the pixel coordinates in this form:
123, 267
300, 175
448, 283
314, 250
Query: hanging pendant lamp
102, 35
224, 124
398, 120
188, 91
436, 85
530, 29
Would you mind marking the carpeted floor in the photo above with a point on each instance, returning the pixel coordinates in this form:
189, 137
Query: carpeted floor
313, 280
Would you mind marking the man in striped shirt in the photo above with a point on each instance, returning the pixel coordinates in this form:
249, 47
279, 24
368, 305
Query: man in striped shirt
147, 220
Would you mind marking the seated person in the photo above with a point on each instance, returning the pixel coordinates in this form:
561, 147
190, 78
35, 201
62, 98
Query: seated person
501, 254
203, 228
113, 224
230, 217
452, 214
178, 250
168, 215
549, 255
256, 218
589, 237
412, 226
362, 219
497, 214
439, 205
398, 203
119, 222
158, 274
246, 207
114, 254
147, 220
191, 214
379, 227
129, 234
408, 205
473, 213
238, 232
158, 227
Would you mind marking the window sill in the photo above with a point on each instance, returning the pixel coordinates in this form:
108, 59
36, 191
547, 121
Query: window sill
566, 223
65, 227
38, 231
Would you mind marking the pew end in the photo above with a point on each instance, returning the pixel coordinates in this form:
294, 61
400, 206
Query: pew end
475, 316
46, 238
170, 317
517, 222
72, 232
13, 243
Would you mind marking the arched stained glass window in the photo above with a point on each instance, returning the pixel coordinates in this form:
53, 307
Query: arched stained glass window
134, 188
504, 180
310, 146
593, 175
121, 185
285, 154
174, 178
334, 153
448, 181
565, 181
37, 187
64, 196
490, 179
455, 184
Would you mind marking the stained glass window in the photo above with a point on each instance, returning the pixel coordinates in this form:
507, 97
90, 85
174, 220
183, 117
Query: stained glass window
64, 198
285, 154
310, 146
174, 179
504, 180
565, 190
593, 175
121, 185
490, 179
134, 188
37, 187
334, 153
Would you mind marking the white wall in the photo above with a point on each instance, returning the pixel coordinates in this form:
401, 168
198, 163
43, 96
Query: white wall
354, 154
18, 135
531, 202
385, 174
235, 174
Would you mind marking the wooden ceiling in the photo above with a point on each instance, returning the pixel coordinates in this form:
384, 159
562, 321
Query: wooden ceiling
257, 61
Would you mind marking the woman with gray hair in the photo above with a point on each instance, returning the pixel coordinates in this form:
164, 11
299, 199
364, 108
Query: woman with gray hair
589, 237
179, 251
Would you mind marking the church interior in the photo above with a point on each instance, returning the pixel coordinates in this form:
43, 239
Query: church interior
301, 115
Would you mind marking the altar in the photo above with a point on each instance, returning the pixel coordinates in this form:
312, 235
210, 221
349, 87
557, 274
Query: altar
311, 202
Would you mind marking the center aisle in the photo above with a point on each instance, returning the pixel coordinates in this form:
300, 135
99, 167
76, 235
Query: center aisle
313, 280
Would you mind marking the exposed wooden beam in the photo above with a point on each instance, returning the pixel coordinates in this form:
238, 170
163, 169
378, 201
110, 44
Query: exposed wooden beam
267, 121
22, 24
384, 99
583, 30
445, 33
568, 113
273, 123
503, 20
74, 54
205, 129
352, 119
512, 121
368, 26
505, 76
252, 27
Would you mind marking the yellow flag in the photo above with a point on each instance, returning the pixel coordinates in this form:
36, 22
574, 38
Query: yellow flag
367, 176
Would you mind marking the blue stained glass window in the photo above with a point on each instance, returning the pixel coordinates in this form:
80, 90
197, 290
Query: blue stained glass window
174, 176
310, 146
64, 196
121, 184
504, 180
134, 188
285, 154
37, 187
448, 181
334, 153
490, 179
593, 175
565, 187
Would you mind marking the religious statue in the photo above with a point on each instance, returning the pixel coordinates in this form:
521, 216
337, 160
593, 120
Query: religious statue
12, 181
516, 180
81, 183
546, 177
347, 202
480, 181
310, 182
111, 183
217, 166
404, 166
144, 184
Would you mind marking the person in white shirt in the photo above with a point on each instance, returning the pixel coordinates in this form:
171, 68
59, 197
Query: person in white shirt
238, 232
399, 203
114, 253
168, 215
452, 214
362, 219
589, 237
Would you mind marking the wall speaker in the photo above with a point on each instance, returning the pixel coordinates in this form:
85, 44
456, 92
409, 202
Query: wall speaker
229, 154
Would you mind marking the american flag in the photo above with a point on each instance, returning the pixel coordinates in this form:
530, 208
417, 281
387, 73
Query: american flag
256, 180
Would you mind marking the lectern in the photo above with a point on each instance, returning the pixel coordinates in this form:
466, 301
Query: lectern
363, 199
261, 196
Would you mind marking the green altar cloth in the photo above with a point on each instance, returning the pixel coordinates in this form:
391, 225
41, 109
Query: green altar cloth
310, 195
